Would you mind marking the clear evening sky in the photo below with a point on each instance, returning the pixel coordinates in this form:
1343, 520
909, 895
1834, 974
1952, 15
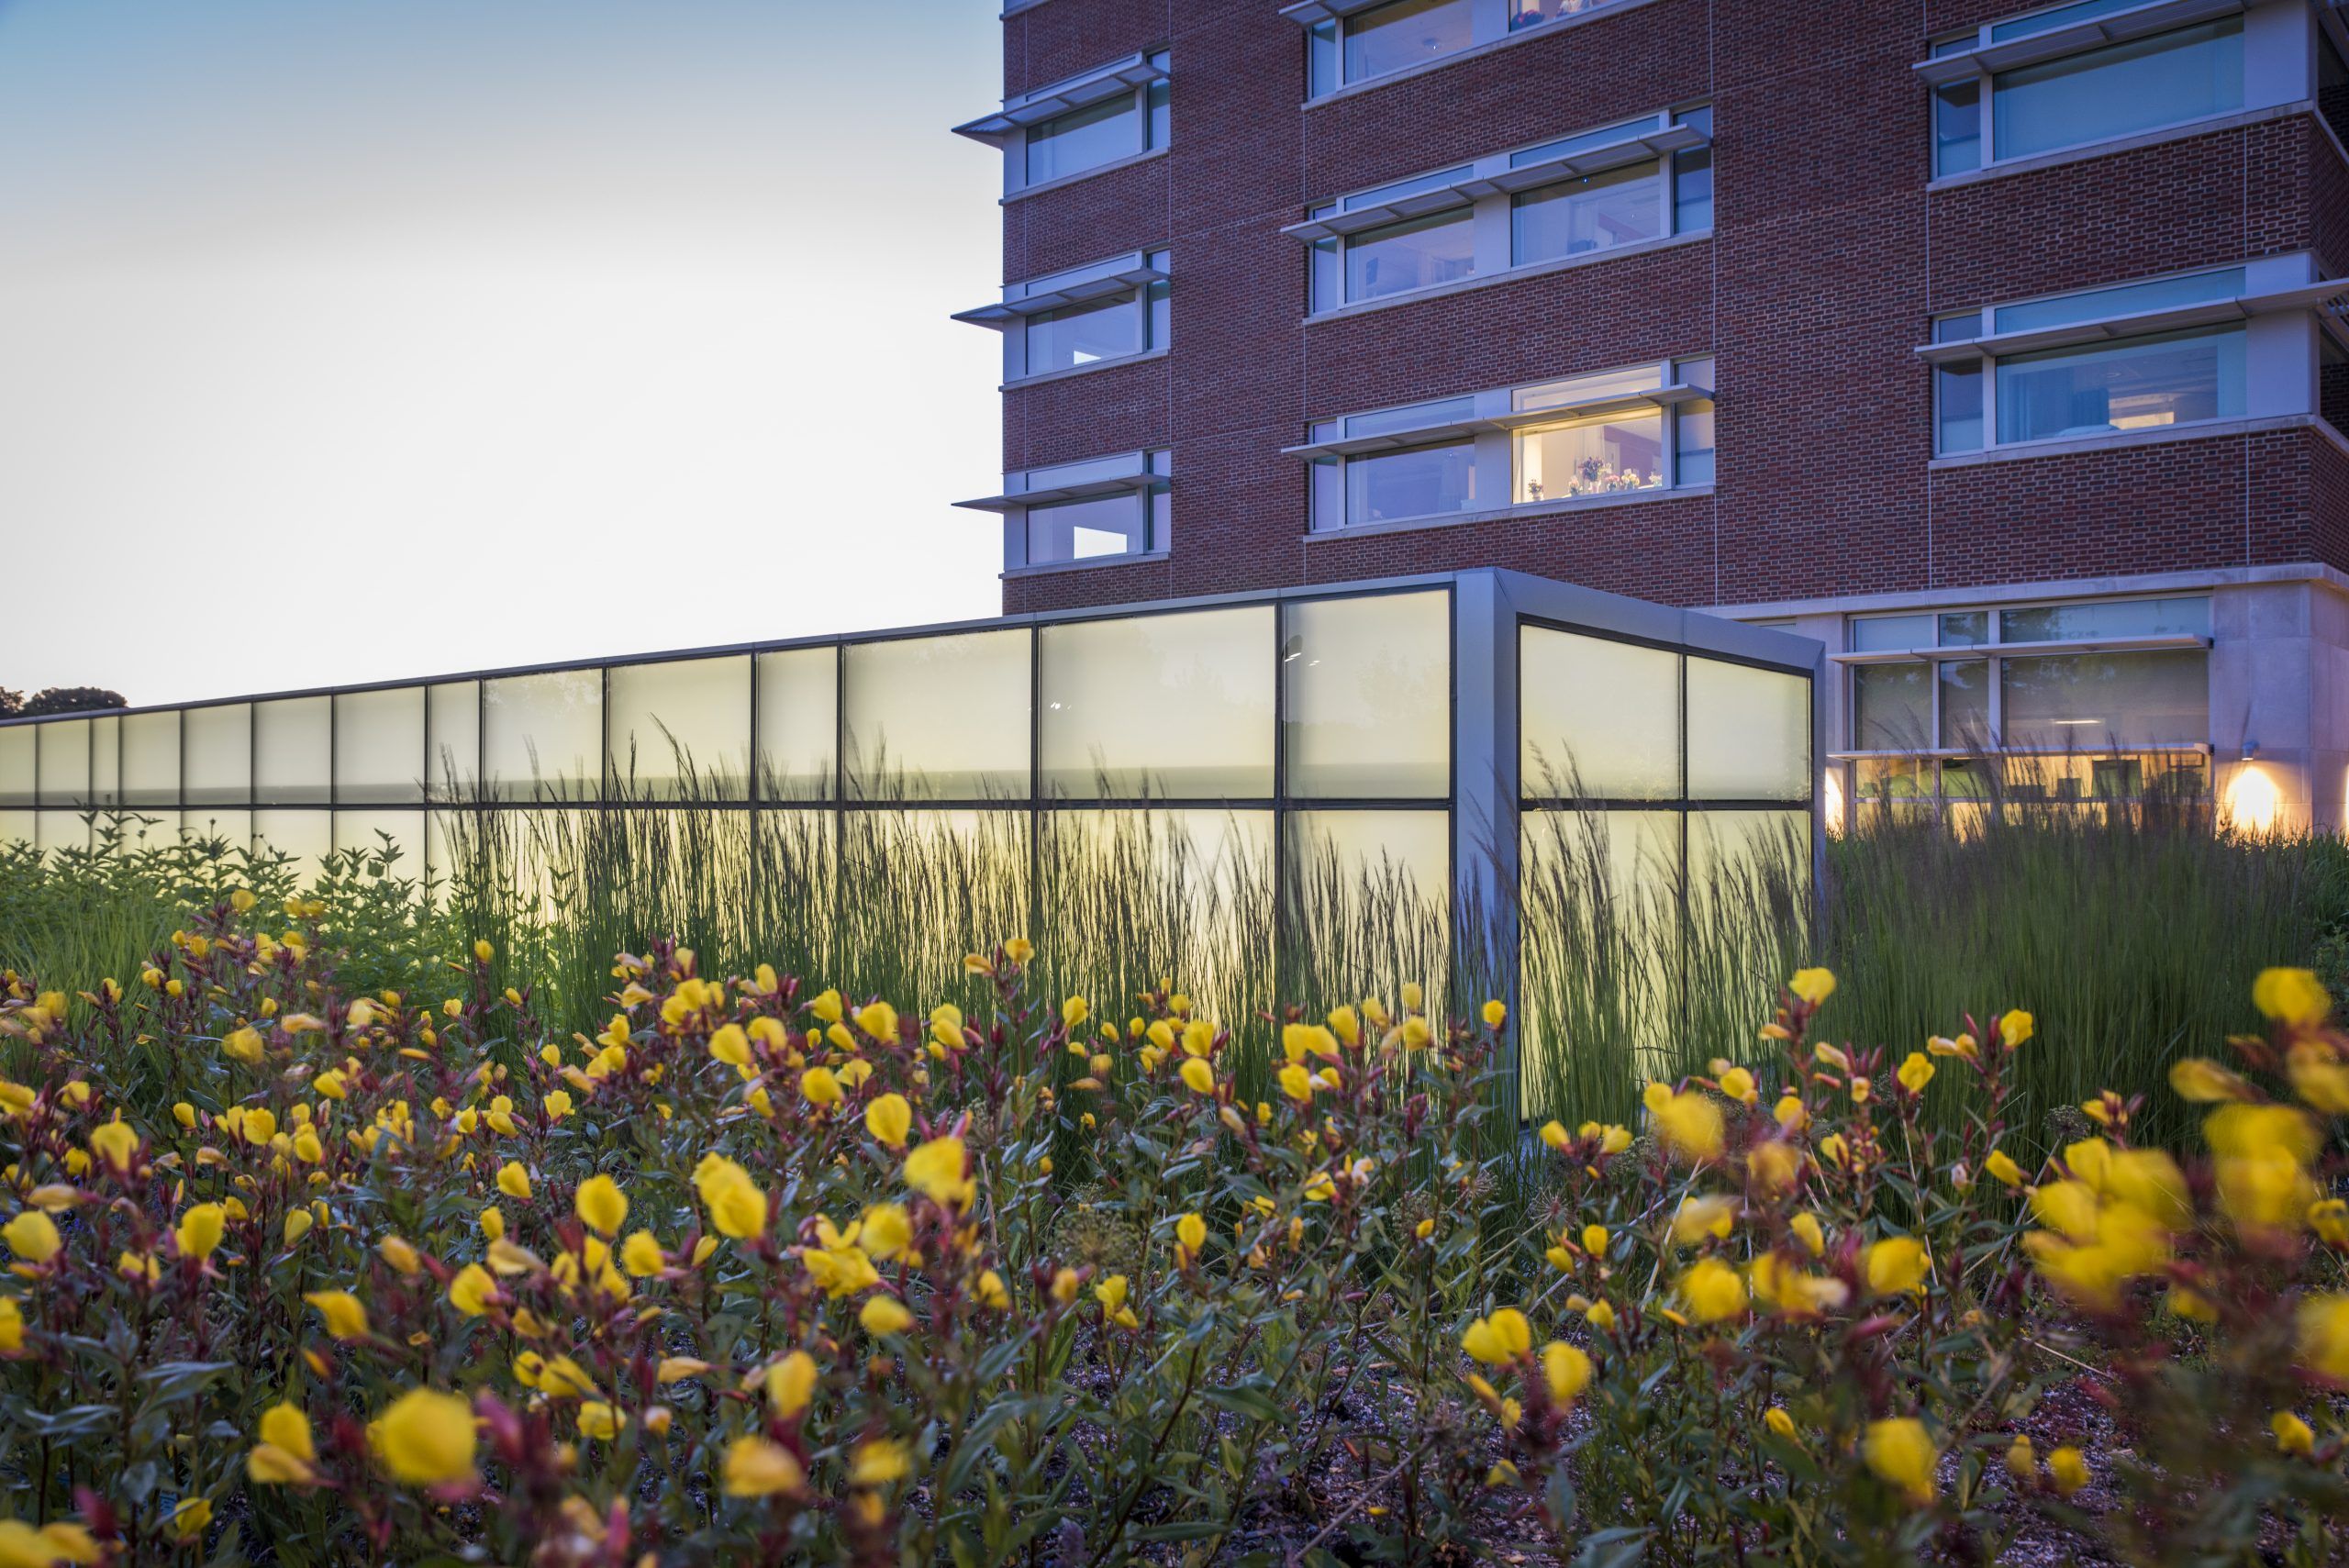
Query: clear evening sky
350, 340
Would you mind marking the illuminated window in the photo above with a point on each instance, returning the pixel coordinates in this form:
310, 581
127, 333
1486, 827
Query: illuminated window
1081, 512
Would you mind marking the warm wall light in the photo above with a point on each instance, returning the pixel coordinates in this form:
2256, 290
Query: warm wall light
2253, 800
1831, 799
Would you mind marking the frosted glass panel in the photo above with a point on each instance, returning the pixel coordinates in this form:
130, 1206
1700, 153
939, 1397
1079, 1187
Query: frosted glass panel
682, 730
379, 747
64, 831
19, 764
304, 836
1170, 706
151, 759
453, 738
1749, 733
1599, 720
359, 829
1369, 697
968, 870
292, 751
1369, 902
211, 825
18, 828
799, 709
105, 760
545, 735
938, 717
1734, 851
1135, 896
217, 755
65, 762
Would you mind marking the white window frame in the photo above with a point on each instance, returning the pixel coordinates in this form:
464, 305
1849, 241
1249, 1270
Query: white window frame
1135, 76
2278, 62
1134, 277
1491, 420
2283, 306
1485, 190
1147, 477
1489, 22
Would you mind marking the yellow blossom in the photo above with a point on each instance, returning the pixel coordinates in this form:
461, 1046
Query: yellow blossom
820, 1086
890, 1119
878, 1462
346, 1317
1901, 1452
939, 1171
1780, 1424
1916, 1072
1813, 985
514, 1180
2292, 997
757, 1467
2015, 1027
601, 1204
1200, 1077
736, 1206
1565, 1370
471, 1291
2003, 1168
33, 1236
2205, 1082
1896, 1267
1502, 1337
791, 1382
2068, 1468
2322, 1324
1712, 1291
2293, 1435
1689, 1123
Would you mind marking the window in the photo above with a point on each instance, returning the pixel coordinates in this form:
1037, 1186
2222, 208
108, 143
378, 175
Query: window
1387, 38
2084, 90
1078, 512
1635, 181
1063, 531
1083, 335
1533, 13
1646, 427
2126, 717
1100, 118
2168, 379
1092, 314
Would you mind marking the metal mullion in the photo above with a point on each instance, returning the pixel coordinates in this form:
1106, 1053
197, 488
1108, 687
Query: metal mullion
1036, 747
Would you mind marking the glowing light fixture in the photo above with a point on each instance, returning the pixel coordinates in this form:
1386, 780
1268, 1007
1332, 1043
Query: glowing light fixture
1831, 799
2254, 802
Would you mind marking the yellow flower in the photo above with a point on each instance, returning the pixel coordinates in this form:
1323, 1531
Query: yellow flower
601, 1204
1916, 1073
2292, 1434
425, 1438
346, 1317
191, 1517
514, 1180
755, 1467
1191, 1231
483, 952
33, 1236
1495, 1015
2016, 1027
1689, 1123
1902, 1452
599, 1420
1774, 1167
285, 1453
1896, 1267
471, 1291
2022, 1459
642, 1255
2293, 996
728, 1043
890, 1119
1075, 1011
791, 1383
878, 1462
676, 1368
2323, 1330
115, 1144
2068, 1468
1500, 1339
736, 1206
1738, 1085
1780, 1424
938, 1169
1295, 1082
884, 1315
1201, 1077
2319, 1079
2004, 1168
820, 1086
1701, 1217
12, 1325
1565, 1370
1712, 1291
878, 1019
1813, 985
2204, 1082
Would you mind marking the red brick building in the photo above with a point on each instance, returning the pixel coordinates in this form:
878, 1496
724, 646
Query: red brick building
1992, 345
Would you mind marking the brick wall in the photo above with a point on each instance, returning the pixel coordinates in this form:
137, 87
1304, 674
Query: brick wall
1828, 259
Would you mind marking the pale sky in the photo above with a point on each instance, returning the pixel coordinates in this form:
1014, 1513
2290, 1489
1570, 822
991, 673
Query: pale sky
354, 340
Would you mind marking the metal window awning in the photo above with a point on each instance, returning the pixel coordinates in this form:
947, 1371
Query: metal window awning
1970, 754
1658, 143
2023, 649
2116, 27
2206, 313
1313, 13
1050, 103
1082, 490
1452, 430
1126, 280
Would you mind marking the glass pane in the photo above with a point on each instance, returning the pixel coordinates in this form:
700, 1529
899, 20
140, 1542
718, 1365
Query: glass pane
1957, 127
2061, 17
1409, 32
1693, 463
1409, 255
1599, 961
20, 827
1165, 706
1599, 719
65, 762
1366, 904
1417, 483
231, 830
799, 706
682, 730
1966, 704
105, 760
62, 830
1892, 708
379, 747
1412, 416
2072, 700
2127, 87
938, 717
1133, 896
292, 751
1596, 212
545, 736
1692, 191
2122, 299
364, 832
2143, 384
1084, 530
1882, 634
304, 836
1083, 334
453, 733
1749, 733
1369, 697
1965, 628
1084, 138
1957, 406
2186, 615
217, 756
1886, 778
966, 871
1533, 13
20, 765
151, 759
1749, 870
1592, 457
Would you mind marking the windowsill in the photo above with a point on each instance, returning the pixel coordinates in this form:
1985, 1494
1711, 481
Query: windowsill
2121, 440
1506, 275
2183, 130
1065, 181
1524, 513
1474, 52
1048, 377
1098, 562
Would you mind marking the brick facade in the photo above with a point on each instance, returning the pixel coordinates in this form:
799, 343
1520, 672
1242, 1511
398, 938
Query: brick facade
1833, 247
